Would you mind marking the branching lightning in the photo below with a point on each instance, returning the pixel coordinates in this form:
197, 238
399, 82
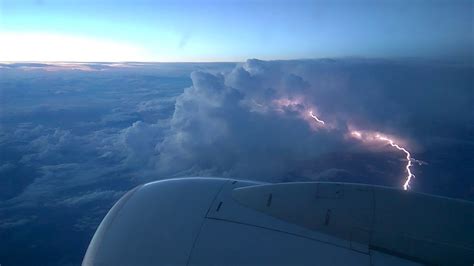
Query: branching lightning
371, 137
409, 164
364, 136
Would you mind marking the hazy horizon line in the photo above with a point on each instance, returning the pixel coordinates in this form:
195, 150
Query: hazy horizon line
390, 58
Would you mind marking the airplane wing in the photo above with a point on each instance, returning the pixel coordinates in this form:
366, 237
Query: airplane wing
214, 221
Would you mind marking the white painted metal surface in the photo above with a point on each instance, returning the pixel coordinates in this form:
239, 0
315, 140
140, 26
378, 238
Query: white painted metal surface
155, 224
419, 227
213, 221
227, 243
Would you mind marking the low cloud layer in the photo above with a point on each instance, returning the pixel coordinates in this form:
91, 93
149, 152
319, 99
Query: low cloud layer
73, 138
251, 121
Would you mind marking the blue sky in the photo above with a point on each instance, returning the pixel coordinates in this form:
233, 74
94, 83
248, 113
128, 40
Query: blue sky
45, 30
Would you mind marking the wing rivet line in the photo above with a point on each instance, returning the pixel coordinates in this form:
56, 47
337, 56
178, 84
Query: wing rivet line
219, 206
328, 216
269, 200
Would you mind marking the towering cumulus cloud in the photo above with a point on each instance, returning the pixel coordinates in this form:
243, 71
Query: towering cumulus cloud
243, 124
292, 120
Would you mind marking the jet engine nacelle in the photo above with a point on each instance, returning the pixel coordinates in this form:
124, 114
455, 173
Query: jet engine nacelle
214, 221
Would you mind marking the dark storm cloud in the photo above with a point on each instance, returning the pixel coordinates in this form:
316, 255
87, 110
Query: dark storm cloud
215, 130
73, 141
228, 125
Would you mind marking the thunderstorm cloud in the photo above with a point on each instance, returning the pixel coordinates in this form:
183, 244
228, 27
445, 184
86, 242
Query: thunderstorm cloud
75, 137
252, 122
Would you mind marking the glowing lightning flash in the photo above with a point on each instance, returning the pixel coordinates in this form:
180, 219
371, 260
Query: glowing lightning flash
369, 137
409, 164
363, 136
316, 118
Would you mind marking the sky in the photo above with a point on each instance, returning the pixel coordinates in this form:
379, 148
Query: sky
187, 31
74, 137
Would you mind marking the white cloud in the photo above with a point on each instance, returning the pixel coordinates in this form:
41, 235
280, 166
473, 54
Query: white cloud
89, 197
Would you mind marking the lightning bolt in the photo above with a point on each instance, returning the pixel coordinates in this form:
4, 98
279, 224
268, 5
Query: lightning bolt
370, 137
391, 142
364, 136
408, 157
316, 118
